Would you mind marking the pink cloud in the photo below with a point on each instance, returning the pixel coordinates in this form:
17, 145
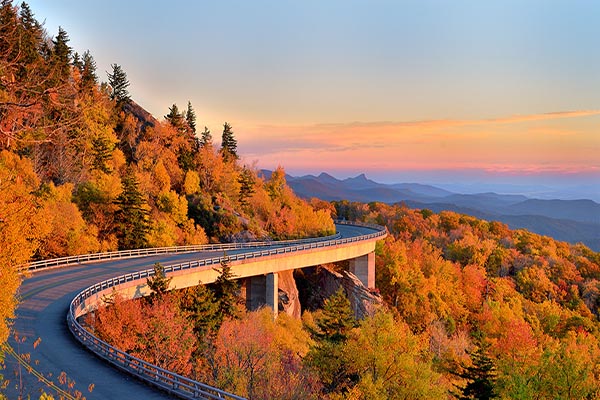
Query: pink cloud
498, 144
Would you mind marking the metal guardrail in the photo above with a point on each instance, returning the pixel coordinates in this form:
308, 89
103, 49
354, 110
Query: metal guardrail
117, 255
162, 378
173, 383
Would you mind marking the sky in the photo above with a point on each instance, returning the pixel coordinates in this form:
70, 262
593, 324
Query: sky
445, 92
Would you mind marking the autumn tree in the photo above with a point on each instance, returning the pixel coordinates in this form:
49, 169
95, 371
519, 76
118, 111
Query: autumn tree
63, 231
156, 332
19, 236
168, 340
390, 362
276, 184
258, 357
119, 322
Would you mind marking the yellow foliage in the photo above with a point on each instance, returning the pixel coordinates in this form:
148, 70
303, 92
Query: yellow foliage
65, 233
192, 234
108, 184
391, 361
161, 176
172, 204
18, 231
163, 233
286, 216
191, 184
117, 162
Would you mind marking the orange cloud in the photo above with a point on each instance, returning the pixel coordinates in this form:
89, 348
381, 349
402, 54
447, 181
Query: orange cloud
504, 143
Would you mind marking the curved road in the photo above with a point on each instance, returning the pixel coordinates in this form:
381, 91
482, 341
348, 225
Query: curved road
41, 317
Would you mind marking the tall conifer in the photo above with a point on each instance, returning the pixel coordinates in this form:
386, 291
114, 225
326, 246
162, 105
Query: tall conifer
190, 118
206, 138
132, 216
246, 181
61, 54
31, 36
176, 118
89, 79
119, 83
228, 144
158, 283
225, 289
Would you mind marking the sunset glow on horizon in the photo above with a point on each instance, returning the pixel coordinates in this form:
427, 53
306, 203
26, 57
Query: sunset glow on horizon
520, 145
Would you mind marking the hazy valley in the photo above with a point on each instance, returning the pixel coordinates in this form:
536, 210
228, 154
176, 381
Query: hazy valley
567, 220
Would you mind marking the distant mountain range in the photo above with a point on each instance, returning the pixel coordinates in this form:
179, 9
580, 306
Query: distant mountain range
568, 220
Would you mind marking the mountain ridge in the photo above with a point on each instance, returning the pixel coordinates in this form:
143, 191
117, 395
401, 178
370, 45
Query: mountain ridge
568, 220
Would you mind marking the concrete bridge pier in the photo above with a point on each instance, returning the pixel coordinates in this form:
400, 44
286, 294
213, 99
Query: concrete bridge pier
263, 290
364, 268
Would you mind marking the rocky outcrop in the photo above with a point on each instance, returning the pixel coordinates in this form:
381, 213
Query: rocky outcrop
316, 284
289, 300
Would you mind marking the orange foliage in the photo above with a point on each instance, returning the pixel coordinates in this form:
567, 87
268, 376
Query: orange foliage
158, 333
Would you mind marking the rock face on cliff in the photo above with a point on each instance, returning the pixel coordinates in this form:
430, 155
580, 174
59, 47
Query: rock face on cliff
289, 300
316, 284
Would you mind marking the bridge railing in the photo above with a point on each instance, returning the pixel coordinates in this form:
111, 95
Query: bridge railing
176, 384
165, 379
122, 254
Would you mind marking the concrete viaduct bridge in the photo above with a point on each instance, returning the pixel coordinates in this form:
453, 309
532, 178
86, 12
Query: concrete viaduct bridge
76, 285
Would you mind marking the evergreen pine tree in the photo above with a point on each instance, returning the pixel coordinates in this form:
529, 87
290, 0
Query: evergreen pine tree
190, 118
202, 308
119, 83
328, 356
176, 118
77, 63
8, 30
102, 150
31, 36
228, 144
480, 377
158, 283
206, 138
8, 20
131, 217
89, 79
337, 319
226, 289
247, 182
61, 54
